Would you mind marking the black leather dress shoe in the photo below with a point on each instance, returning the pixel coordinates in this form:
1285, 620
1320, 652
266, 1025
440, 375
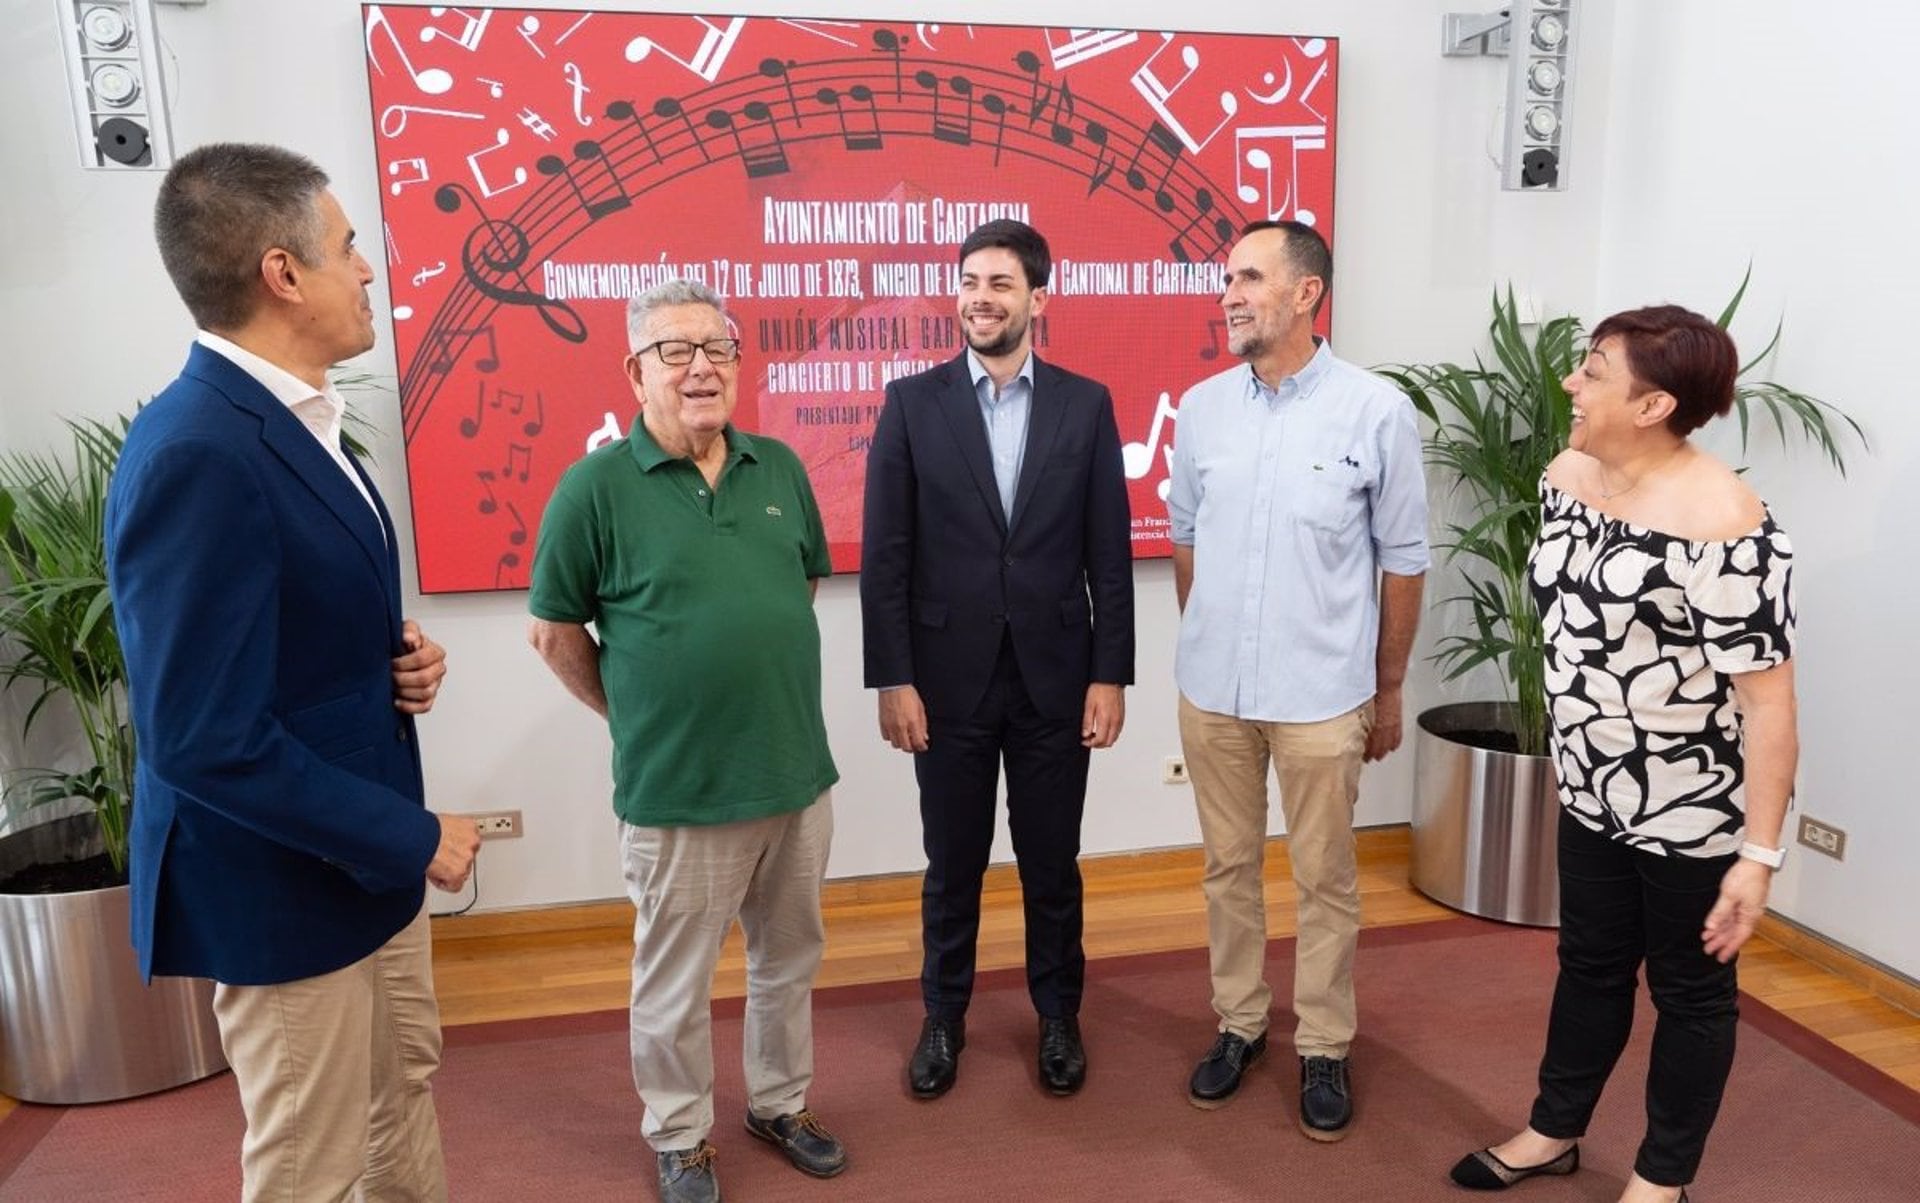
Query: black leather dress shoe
1484, 1171
936, 1059
1219, 1072
1326, 1098
1063, 1058
811, 1148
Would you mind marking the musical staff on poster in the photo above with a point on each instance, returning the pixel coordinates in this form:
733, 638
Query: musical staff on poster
537, 167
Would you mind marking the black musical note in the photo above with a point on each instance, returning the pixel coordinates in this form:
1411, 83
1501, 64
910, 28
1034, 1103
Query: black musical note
945, 127
441, 343
538, 422
867, 139
1170, 145
1102, 161
998, 107
521, 454
494, 258
773, 68
502, 567
888, 42
518, 535
589, 152
1202, 205
1215, 328
489, 503
470, 427
760, 159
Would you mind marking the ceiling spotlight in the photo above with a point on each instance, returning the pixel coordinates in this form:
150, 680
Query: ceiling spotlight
106, 28
1542, 122
1544, 76
114, 85
1549, 31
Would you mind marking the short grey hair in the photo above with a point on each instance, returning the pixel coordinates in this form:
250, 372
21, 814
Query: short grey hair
662, 295
224, 206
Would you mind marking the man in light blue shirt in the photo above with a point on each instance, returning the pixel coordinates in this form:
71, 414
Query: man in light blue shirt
1299, 523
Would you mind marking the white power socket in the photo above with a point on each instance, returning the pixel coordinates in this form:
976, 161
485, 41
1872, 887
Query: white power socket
498, 824
1173, 770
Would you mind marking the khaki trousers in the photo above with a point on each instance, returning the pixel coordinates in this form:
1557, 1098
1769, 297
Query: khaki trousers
1317, 766
335, 1079
687, 885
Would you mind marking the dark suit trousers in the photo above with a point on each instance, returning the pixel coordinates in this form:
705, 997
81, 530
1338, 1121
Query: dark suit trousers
1046, 792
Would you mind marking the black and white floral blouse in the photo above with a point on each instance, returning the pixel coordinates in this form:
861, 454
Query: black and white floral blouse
1644, 633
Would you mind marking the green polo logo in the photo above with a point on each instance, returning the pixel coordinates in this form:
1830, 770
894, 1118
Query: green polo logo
773, 511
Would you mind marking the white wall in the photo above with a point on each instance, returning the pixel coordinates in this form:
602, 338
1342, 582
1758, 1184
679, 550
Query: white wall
90, 325
1798, 162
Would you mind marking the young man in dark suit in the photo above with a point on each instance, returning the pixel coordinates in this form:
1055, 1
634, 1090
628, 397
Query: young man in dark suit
996, 590
281, 843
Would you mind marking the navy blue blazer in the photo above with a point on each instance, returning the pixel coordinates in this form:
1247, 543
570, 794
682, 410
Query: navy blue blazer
944, 575
279, 822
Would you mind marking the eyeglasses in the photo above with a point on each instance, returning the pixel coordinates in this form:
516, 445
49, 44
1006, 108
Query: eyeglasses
678, 352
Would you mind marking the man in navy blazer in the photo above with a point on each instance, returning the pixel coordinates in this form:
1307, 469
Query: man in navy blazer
280, 840
996, 594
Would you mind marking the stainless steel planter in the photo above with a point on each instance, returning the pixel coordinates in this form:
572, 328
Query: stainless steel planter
77, 1025
1484, 823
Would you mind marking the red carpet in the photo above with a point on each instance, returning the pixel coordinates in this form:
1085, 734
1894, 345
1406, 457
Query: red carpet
1451, 1015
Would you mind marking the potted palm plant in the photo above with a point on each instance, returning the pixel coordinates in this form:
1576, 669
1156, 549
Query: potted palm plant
1485, 810
77, 1024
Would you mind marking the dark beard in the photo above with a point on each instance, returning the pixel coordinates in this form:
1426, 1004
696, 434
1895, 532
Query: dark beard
1005, 344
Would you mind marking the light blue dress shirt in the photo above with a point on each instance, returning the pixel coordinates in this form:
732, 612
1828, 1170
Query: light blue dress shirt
1006, 412
1293, 499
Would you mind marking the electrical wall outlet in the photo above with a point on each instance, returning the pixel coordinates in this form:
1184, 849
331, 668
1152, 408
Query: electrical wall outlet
1173, 770
1823, 837
498, 824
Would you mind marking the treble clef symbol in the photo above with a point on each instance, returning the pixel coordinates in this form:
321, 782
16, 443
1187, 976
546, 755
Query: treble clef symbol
494, 258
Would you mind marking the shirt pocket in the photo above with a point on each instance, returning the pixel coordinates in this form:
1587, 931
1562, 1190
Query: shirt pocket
1331, 496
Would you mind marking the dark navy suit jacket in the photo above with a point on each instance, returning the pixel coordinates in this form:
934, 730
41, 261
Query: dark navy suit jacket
279, 822
944, 576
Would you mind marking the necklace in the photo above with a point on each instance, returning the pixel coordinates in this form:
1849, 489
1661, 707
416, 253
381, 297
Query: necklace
1607, 494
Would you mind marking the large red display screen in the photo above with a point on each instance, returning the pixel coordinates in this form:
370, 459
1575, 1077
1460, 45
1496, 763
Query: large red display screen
540, 166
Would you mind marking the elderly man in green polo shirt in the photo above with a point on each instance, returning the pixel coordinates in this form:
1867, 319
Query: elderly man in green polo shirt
674, 543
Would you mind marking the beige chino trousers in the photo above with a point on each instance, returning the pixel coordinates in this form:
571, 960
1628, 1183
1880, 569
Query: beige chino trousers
335, 1079
687, 886
1317, 767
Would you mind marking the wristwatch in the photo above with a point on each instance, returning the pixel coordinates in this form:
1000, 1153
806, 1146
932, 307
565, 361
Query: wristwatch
1772, 858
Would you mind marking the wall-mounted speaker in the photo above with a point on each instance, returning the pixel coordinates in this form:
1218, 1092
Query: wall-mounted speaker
113, 76
1537, 38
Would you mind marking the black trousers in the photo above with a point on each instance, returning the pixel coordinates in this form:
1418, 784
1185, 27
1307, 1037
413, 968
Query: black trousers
1619, 906
959, 777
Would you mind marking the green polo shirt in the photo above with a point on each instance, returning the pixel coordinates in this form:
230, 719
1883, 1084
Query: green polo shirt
709, 651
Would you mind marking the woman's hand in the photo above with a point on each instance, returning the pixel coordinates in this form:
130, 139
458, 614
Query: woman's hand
1743, 899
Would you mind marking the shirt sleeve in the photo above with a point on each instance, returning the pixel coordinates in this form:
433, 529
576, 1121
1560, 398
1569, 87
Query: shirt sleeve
1400, 499
1740, 595
566, 568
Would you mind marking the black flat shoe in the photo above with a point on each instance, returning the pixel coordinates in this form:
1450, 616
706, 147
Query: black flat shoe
1218, 1075
1063, 1058
936, 1058
1484, 1171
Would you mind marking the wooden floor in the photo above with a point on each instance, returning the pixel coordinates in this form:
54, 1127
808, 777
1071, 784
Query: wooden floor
525, 964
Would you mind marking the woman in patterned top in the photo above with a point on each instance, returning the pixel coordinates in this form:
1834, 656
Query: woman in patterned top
1665, 588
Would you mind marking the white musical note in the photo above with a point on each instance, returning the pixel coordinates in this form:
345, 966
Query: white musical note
1083, 44
427, 273
417, 169
1278, 94
495, 88
433, 81
814, 28
393, 118
609, 431
1158, 94
707, 59
578, 83
402, 312
466, 39
1137, 458
500, 140
530, 25
1297, 138
570, 29
924, 33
